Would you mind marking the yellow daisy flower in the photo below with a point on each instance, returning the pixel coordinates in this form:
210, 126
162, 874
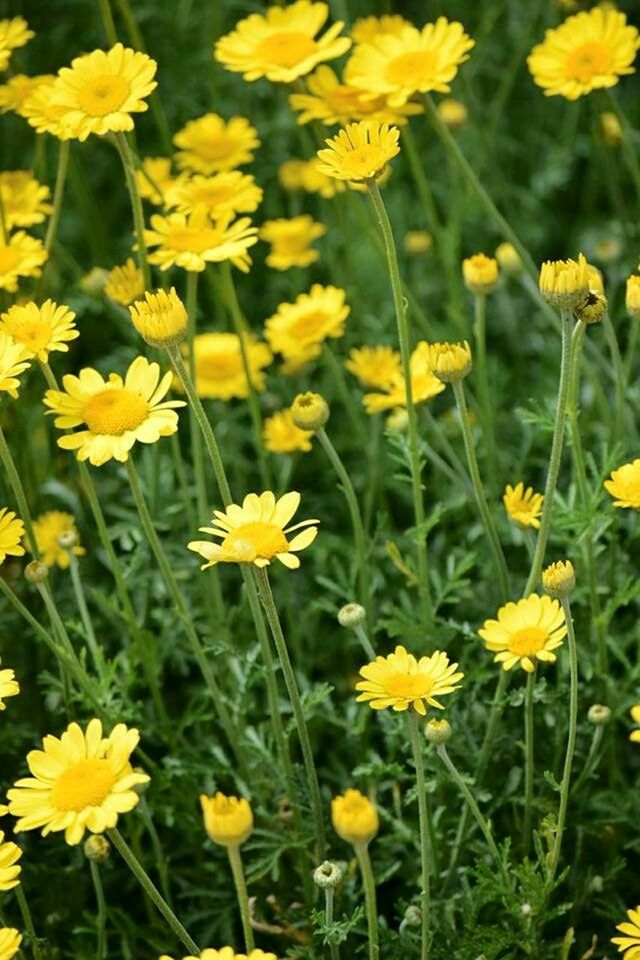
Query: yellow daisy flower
257, 532
40, 329
281, 44
298, 330
304, 175
10, 941
227, 820
42, 113
525, 632
12, 364
219, 371
100, 91
360, 152
81, 781
281, 435
291, 240
402, 682
368, 29
523, 506
14, 33
47, 529
20, 256
115, 412
16, 92
354, 818
634, 736
629, 944
154, 179
231, 192
564, 283
225, 953
9, 687
375, 367
480, 273
213, 145
10, 869
589, 51
411, 61
331, 101
24, 199
125, 283
424, 384
624, 485
192, 240
11, 534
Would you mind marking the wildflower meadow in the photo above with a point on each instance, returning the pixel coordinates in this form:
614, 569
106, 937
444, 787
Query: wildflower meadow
319, 480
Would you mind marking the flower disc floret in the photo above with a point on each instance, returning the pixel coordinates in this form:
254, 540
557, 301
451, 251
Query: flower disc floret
360, 152
525, 632
40, 329
402, 682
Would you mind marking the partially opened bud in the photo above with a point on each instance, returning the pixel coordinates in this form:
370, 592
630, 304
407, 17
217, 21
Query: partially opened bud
559, 579
354, 817
161, 318
633, 297
480, 273
227, 820
451, 361
36, 571
508, 258
564, 283
309, 411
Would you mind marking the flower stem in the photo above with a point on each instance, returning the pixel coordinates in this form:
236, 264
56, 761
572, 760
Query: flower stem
484, 394
129, 167
18, 491
529, 754
632, 348
334, 950
85, 616
620, 380
414, 450
235, 860
369, 883
101, 918
591, 762
27, 919
58, 194
418, 759
151, 890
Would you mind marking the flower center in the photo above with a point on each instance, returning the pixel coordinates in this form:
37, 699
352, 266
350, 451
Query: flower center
34, 334
9, 258
291, 242
219, 366
113, 412
211, 195
256, 539
191, 241
103, 95
409, 686
85, 784
217, 147
365, 161
286, 49
587, 62
413, 68
528, 641
309, 324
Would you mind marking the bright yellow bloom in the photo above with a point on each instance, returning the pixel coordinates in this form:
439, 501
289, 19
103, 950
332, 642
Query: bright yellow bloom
453, 113
10, 853
24, 199
450, 362
47, 528
194, 240
40, 329
100, 91
42, 113
525, 632
224, 193
154, 179
480, 273
14, 33
304, 175
20, 256
523, 506
213, 145
9, 687
402, 682
257, 532
219, 370
125, 283
291, 240
354, 817
11, 534
360, 152
81, 781
17, 91
411, 61
115, 412
298, 330
10, 941
227, 820
508, 258
281, 44
624, 485
368, 29
331, 101
564, 283
281, 435
12, 364
587, 52
225, 953
633, 296
424, 384
161, 318
375, 367
629, 944
559, 579
634, 736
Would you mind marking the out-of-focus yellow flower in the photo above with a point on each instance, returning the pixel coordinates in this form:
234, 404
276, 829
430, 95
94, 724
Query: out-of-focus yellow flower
14, 33
564, 283
10, 941
330, 101
125, 283
227, 820
360, 152
523, 506
375, 367
47, 528
20, 256
354, 817
12, 364
525, 632
231, 192
210, 144
281, 435
40, 329
11, 535
291, 240
154, 178
608, 250
632, 301
25, 201
10, 852
424, 384
610, 128
369, 29
219, 370
624, 485
417, 242
17, 91
402, 682
298, 330
453, 113
508, 258
191, 241
480, 273
161, 318
634, 736
42, 113
559, 579
304, 175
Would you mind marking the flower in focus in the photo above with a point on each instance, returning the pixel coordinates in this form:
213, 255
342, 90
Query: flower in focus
14, 33
24, 199
634, 736
47, 529
81, 781
100, 91
10, 869
624, 485
291, 240
374, 367
368, 29
632, 300
219, 369
230, 192
354, 817
115, 412
154, 178
480, 273
9, 687
227, 820
523, 506
256, 532
10, 941
564, 283
508, 258
125, 283
18, 90
360, 152
453, 113
20, 256
210, 144
424, 384
310, 411
281, 435
225, 953
40, 329
298, 330
450, 362
525, 632
160, 318
400, 681
304, 175
629, 944
559, 579
589, 51
192, 240
281, 44
11, 534
12, 364
331, 101
410, 61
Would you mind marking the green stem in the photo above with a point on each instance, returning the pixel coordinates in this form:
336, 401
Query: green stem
27, 919
337, 374
627, 142
334, 950
243, 898
529, 754
620, 380
101, 918
18, 491
591, 762
85, 616
369, 883
425, 904
480, 339
365, 643
58, 193
129, 166
107, 22
632, 348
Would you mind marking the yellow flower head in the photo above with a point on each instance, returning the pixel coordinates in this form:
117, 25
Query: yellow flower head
564, 283
14, 33
100, 91
154, 179
25, 201
480, 273
16, 92
634, 736
114, 413
40, 329
310, 411
375, 367
360, 152
125, 283
10, 941
633, 296
230, 192
629, 942
257, 532
281, 435
354, 817
9, 687
451, 362
304, 175
281, 44
47, 528
424, 384
213, 145
523, 506
453, 113
20, 256
161, 318
191, 241
410, 61
589, 51
12, 364
559, 579
368, 29
219, 368
225, 953
10, 869
525, 632
402, 682
508, 258
81, 781
298, 330
41, 112
331, 101
11, 534
227, 820
624, 485
291, 240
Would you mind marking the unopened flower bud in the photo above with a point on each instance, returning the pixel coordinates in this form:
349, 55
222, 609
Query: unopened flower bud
67, 539
453, 113
397, 421
97, 848
599, 715
438, 731
633, 297
559, 579
593, 308
451, 362
412, 918
328, 875
351, 615
309, 411
508, 258
564, 283
480, 273
36, 571
354, 817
